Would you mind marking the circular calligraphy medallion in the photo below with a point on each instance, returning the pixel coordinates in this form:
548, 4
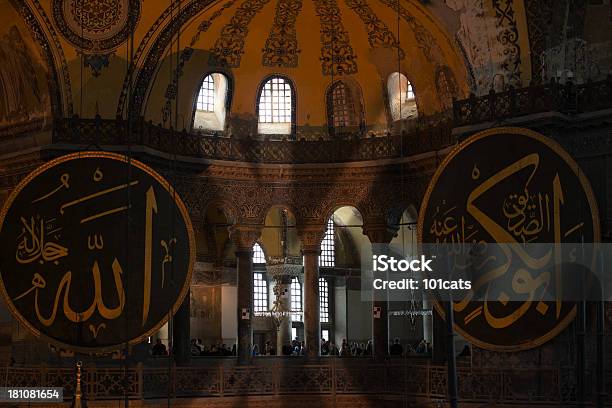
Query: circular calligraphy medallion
97, 251
513, 187
96, 25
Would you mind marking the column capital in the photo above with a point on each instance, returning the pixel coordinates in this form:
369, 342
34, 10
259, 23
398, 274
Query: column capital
244, 236
380, 233
311, 237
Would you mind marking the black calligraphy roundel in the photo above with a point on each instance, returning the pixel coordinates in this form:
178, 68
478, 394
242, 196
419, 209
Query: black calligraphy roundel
510, 188
97, 251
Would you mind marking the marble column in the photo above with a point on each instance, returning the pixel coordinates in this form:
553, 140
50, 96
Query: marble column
379, 234
282, 291
244, 238
311, 238
283, 270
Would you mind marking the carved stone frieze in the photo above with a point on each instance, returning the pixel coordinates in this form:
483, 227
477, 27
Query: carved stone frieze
312, 198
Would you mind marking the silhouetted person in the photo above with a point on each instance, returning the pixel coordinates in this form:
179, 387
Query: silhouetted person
396, 348
345, 351
269, 351
195, 349
287, 349
333, 350
159, 349
368, 349
324, 347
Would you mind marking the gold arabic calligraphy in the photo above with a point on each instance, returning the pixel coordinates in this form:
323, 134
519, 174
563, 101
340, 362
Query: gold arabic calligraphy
34, 245
527, 214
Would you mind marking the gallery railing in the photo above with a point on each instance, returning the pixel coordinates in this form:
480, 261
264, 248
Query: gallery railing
542, 385
549, 97
99, 132
411, 138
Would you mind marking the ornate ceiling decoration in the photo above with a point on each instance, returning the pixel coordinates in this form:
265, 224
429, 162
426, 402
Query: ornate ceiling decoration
96, 25
255, 35
96, 28
379, 35
337, 56
281, 49
229, 47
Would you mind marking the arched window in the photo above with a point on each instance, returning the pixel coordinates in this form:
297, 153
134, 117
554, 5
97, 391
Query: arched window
344, 110
211, 103
260, 292
258, 254
276, 107
341, 105
328, 246
296, 299
323, 301
260, 284
402, 99
206, 97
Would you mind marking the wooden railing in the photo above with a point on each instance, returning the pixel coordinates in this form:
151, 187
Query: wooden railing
551, 385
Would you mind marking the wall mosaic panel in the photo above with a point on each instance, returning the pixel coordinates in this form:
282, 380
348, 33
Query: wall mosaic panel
508, 37
488, 37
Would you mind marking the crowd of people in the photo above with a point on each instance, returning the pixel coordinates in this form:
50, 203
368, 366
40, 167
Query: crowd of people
298, 348
353, 349
200, 349
197, 349
295, 348
396, 349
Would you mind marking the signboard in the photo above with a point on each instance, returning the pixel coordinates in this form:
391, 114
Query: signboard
97, 251
513, 187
